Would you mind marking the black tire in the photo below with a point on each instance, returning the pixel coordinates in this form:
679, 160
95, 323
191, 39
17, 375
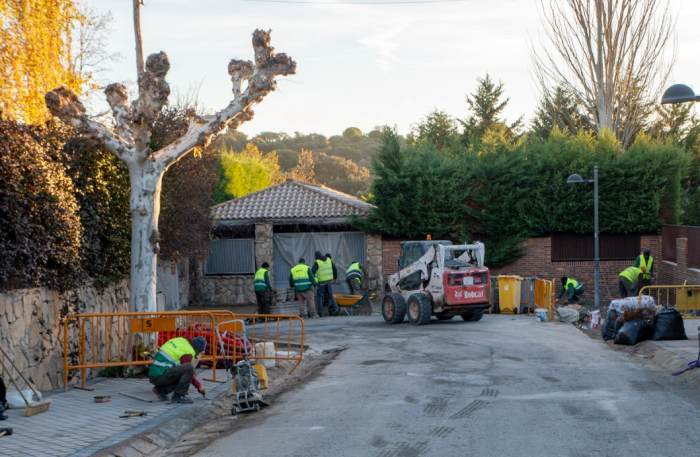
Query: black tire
393, 308
419, 308
473, 316
444, 317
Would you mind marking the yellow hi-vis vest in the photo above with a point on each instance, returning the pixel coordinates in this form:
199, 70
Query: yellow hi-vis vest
646, 274
631, 274
572, 282
169, 355
301, 276
354, 271
260, 284
324, 273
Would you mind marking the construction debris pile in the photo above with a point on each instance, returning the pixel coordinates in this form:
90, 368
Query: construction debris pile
632, 320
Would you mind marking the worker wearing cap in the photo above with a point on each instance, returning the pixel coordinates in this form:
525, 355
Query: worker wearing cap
354, 276
570, 287
302, 280
325, 273
263, 288
629, 281
645, 262
173, 367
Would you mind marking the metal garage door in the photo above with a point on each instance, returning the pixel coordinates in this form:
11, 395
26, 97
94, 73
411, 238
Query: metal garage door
344, 247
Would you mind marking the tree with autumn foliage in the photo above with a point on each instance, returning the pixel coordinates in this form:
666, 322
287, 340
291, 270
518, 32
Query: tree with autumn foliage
246, 171
36, 38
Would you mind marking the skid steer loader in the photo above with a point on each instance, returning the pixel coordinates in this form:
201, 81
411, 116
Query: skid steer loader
437, 278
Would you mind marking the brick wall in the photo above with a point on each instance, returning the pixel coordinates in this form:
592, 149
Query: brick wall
391, 251
536, 261
678, 272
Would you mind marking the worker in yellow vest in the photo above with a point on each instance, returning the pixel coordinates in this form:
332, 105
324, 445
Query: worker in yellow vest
325, 273
629, 281
354, 275
302, 280
173, 367
570, 287
263, 288
645, 262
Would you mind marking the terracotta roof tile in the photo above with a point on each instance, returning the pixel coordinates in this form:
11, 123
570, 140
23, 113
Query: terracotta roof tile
291, 200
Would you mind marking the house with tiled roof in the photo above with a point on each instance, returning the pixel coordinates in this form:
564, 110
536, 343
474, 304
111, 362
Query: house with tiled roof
279, 225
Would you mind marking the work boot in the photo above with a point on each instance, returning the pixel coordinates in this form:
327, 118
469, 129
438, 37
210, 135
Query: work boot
182, 399
2, 410
162, 396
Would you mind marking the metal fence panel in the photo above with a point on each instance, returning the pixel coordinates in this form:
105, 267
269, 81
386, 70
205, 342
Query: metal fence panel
230, 257
568, 247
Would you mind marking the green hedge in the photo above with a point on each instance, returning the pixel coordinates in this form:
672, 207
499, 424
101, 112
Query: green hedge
508, 194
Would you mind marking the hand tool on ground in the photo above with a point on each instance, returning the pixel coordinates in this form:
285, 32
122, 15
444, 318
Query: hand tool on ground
133, 414
89, 389
34, 407
5, 431
134, 397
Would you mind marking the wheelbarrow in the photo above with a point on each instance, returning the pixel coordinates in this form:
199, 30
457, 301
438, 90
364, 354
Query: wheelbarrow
350, 304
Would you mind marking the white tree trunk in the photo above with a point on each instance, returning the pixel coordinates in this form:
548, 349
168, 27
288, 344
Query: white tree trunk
130, 137
146, 179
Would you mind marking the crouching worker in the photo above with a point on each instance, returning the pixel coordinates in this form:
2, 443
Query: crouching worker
570, 287
173, 367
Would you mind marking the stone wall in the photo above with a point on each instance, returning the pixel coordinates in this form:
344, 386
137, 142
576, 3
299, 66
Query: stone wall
223, 290
31, 330
374, 264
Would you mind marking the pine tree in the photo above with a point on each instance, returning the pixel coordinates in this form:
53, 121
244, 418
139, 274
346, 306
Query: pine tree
559, 109
437, 128
486, 105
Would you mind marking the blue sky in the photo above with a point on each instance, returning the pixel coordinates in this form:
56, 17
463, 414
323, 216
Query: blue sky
358, 65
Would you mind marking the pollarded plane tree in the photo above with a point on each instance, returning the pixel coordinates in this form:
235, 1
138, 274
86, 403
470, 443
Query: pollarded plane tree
129, 140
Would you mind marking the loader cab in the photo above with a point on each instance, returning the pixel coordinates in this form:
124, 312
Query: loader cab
411, 251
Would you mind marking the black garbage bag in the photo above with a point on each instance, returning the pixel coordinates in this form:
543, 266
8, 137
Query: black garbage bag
609, 329
631, 333
668, 325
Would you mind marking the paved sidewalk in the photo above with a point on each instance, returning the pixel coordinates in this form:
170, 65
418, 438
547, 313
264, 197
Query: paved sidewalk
77, 426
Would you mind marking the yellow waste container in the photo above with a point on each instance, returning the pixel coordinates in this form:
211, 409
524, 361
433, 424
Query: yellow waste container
509, 293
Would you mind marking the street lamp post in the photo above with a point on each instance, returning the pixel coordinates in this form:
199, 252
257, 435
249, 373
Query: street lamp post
577, 179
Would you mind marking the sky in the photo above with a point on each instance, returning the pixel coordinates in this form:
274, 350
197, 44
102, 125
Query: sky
361, 65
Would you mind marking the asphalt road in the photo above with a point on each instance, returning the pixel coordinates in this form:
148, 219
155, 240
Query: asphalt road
505, 386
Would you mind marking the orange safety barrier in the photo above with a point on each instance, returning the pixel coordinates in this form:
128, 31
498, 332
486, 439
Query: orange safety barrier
123, 339
285, 331
544, 296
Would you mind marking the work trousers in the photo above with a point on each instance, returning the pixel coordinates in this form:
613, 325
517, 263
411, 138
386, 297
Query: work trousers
306, 300
176, 379
324, 298
355, 285
264, 299
627, 289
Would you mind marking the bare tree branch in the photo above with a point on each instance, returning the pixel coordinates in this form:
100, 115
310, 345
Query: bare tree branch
610, 54
65, 105
261, 81
138, 38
